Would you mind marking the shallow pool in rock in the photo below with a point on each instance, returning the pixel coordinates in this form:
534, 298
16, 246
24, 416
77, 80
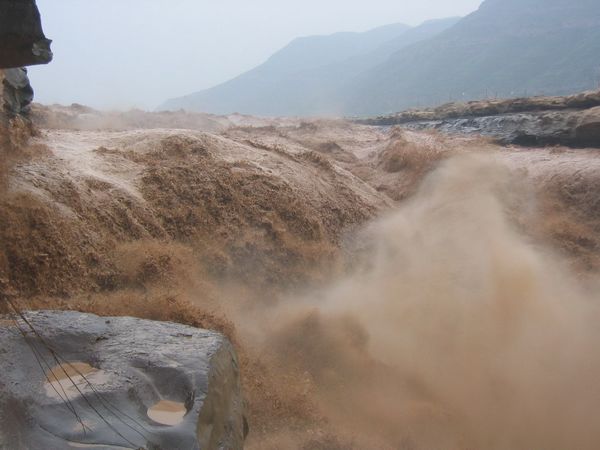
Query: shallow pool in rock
70, 379
167, 412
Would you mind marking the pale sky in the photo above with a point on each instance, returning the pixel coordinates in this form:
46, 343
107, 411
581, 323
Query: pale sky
138, 53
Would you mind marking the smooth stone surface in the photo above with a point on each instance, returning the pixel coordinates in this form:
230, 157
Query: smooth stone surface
113, 372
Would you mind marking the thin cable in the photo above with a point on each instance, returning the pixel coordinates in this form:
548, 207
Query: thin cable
39, 358
54, 355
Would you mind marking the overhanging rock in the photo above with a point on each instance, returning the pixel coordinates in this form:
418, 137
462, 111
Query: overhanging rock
130, 383
22, 40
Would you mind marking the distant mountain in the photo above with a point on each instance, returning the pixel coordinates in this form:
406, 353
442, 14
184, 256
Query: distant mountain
308, 76
506, 48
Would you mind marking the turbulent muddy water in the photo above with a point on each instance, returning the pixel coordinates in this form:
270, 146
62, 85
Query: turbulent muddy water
384, 289
457, 332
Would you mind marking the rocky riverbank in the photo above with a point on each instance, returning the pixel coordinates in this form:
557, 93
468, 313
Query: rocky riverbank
572, 121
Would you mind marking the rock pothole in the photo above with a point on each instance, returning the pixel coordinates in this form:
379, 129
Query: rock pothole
167, 412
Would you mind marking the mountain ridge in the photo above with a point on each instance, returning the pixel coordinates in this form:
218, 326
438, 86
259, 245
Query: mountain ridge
506, 49
306, 85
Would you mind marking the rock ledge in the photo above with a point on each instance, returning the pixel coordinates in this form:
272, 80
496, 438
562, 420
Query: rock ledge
136, 364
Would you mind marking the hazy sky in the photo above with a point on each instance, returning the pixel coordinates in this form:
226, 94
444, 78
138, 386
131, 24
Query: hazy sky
138, 53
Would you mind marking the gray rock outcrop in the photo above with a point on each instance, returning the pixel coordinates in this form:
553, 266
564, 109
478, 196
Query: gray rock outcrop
572, 120
130, 383
17, 91
569, 128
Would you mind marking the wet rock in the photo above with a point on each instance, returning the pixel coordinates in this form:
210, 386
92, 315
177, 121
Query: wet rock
573, 120
17, 91
570, 128
587, 130
130, 383
491, 107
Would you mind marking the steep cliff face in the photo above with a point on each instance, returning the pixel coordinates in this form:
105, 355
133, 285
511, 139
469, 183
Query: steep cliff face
22, 40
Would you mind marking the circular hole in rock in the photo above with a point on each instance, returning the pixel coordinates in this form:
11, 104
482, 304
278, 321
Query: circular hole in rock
167, 412
70, 378
71, 369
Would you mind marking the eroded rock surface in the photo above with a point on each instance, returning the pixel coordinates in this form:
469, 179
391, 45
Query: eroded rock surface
537, 121
570, 128
117, 374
